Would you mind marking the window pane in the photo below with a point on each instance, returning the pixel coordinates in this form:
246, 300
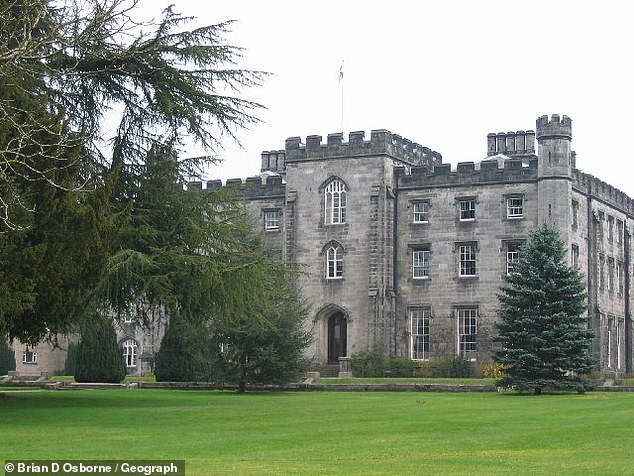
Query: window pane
420, 263
515, 207
467, 260
420, 333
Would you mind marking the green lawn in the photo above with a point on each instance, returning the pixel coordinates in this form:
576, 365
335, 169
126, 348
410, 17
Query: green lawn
328, 432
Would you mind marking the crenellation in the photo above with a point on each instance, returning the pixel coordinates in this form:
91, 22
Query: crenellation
335, 139
509, 170
214, 184
594, 187
382, 142
465, 167
556, 126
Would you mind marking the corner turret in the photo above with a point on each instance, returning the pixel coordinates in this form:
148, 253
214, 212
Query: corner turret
554, 172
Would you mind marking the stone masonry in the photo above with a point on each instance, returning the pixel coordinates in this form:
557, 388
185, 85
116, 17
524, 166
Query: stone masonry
403, 249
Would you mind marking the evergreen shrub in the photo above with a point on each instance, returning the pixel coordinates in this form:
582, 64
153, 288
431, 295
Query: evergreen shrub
99, 357
7, 358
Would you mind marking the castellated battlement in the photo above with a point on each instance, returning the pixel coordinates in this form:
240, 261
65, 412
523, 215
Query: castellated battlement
487, 171
381, 142
555, 127
595, 187
266, 186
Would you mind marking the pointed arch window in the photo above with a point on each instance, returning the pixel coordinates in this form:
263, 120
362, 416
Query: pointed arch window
129, 352
334, 262
335, 202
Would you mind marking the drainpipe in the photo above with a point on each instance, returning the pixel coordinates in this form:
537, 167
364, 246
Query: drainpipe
628, 317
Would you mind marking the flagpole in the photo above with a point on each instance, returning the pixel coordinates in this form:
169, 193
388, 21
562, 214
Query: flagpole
341, 84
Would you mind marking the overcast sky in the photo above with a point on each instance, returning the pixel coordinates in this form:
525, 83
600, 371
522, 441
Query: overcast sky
440, 73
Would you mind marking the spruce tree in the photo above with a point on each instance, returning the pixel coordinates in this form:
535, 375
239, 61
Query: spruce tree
98, 356
7, 357
544, 335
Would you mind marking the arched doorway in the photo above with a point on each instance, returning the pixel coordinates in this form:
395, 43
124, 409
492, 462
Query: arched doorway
337, 337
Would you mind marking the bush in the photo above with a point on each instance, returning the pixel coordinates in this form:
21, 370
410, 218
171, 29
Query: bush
444, 367
7, 358
401, 367
370, 363
98, 356
493, 370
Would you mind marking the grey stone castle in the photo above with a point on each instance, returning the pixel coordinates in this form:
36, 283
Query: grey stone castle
403, 249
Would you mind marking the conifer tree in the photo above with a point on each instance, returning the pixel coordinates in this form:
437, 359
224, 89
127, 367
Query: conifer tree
182, 356
63, 67
99, 357
544, 335
7, 357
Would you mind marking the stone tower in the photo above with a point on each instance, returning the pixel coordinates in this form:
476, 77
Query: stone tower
554, 176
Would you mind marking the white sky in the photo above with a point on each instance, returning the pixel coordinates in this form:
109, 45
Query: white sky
443, 73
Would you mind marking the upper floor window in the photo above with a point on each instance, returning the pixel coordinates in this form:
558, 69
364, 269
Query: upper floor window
129, 352
512, 257
420, 263
421, 212
467, 209
29, 357
574, 255
575, 213
272, 220
467, 264
619, 231
335, 202
610, 229
334, 262
419, 319
515, 207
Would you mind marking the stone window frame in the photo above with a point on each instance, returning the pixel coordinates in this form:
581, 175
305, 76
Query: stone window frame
467, 214
620, 227
29, 357
423, 265
335, 201
467, 260
610, 280
575, 214
610, 229
417, 213
130, 348
517, 215
333, 253
511, 247
272, 219
467, 318
574, 255
424, 314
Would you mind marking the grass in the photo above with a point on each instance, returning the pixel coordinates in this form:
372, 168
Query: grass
387, 381
328, 432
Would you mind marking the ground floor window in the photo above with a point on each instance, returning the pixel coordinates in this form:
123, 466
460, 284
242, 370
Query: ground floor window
29, 357
467, 331
419, 333
129, 352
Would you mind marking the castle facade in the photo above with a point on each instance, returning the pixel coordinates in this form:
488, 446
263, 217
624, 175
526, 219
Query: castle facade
403, 249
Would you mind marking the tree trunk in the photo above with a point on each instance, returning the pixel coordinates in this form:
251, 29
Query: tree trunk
538, 391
